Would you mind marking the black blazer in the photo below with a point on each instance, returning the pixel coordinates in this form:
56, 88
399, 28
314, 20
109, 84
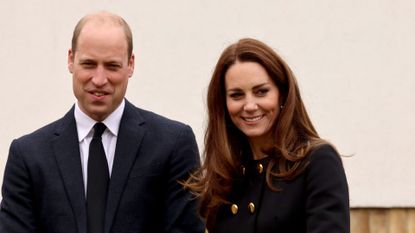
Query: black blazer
317, 201
43, 190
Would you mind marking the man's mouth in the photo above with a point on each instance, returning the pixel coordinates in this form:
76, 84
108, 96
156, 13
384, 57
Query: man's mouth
99, 94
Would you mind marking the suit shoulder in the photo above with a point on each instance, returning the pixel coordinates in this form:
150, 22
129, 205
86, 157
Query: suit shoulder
45, 132
157, 120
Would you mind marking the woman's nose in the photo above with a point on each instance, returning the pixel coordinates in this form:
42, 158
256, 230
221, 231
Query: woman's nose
250, 104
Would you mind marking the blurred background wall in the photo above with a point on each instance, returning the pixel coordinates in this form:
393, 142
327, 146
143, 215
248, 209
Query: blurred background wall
354, 61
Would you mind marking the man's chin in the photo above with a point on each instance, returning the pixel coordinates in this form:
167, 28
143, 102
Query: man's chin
98, 113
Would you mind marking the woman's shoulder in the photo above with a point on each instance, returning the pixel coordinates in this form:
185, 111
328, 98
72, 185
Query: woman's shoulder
324, 151
323, 159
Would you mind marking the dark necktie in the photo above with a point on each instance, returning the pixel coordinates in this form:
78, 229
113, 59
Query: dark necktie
98, 179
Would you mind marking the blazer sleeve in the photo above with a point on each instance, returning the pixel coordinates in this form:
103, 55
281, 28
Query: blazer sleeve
16, 210
181, 214
327, 204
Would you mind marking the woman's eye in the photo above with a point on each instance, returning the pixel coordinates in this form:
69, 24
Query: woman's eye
262, 92
236, 95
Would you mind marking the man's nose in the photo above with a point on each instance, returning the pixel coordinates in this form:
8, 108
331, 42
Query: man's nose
100, 76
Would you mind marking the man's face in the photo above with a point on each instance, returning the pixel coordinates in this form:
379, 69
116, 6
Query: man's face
100, 69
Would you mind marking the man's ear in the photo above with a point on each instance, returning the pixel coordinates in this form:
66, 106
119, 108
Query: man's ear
131, 64
71, 57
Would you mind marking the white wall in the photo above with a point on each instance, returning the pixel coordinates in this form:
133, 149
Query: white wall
354, 61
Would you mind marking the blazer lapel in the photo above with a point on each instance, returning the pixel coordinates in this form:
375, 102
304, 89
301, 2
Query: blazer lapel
66, 149
130, 135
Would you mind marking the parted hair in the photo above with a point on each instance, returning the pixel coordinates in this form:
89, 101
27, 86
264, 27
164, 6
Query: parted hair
225, 146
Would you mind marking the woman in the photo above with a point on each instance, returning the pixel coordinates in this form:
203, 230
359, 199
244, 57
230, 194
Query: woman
265, 168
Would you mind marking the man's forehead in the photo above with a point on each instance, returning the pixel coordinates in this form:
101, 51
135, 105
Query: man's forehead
103, 17
97, 25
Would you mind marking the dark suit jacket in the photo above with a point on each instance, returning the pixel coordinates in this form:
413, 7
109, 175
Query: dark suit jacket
43, 190
317, 201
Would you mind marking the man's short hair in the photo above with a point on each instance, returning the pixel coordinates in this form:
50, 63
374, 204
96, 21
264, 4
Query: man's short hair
103, 17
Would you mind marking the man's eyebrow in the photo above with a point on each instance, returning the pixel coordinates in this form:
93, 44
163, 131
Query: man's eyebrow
113, 63
86, 60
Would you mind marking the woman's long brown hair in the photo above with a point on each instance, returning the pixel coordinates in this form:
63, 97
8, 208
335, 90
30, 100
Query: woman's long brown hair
294, 134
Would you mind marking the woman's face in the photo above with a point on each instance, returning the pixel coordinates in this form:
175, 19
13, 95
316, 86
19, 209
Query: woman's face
252, 100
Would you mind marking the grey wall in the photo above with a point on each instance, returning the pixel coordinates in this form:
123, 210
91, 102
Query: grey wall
354, 61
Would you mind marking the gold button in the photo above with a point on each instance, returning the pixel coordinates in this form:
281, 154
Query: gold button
243, 170
234, 209
251, 207
260, 168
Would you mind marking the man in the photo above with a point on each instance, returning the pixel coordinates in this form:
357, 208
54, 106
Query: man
106, 166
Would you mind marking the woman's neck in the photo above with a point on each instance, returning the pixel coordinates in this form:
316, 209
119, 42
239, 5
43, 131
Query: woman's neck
258, 146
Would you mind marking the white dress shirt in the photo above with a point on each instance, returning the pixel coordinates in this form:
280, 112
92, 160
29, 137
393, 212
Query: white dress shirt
85, 124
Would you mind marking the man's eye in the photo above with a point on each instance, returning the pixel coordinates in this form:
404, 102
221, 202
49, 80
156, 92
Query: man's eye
113, 66
88, 65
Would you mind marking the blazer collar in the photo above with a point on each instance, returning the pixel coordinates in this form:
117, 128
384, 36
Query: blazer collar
131, 132
66, 150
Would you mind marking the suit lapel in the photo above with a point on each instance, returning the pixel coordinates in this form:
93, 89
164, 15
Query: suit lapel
66, 149
130, 135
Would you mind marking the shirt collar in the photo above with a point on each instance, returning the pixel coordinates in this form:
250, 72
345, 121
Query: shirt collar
84, 123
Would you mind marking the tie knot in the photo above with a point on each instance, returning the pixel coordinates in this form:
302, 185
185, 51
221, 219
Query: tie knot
99, 128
